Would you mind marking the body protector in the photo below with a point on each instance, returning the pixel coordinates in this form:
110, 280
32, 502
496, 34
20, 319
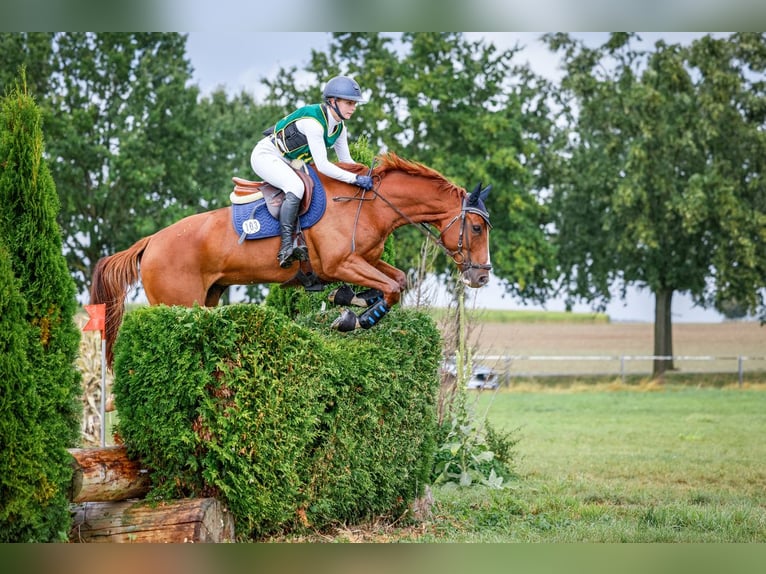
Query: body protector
289, 139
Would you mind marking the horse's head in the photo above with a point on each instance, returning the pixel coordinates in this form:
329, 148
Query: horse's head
466, 238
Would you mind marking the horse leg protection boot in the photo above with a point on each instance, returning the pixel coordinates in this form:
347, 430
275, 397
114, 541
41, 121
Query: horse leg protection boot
367, 297
373, 315
288, 216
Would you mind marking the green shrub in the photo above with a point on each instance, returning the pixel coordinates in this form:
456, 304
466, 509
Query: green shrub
289, 424
21, 447
48, 406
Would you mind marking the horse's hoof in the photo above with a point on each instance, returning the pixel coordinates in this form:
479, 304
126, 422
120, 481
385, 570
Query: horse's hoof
341, 296
348, 321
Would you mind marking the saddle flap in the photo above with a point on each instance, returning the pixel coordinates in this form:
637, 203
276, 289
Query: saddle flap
246, 191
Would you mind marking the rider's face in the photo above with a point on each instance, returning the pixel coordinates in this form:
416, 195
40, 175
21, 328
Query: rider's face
346, 107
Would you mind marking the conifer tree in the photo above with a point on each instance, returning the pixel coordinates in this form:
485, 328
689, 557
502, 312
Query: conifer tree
20, 440
48, 401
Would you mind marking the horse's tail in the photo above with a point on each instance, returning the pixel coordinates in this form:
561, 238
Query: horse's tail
113, 276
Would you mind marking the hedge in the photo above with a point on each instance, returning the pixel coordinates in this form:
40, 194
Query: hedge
292, 425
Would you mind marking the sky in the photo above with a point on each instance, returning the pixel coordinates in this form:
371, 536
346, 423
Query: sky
237, 62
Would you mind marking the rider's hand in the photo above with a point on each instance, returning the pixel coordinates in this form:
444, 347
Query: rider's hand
364, 181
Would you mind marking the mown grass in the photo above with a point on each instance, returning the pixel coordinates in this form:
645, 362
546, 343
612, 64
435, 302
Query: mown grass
610, 464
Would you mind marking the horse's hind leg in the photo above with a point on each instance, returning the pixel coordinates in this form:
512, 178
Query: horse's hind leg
166, 287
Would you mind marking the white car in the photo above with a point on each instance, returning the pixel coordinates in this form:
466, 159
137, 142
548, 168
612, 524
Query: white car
481, 377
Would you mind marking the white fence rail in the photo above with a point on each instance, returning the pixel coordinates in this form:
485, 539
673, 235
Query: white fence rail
508, 366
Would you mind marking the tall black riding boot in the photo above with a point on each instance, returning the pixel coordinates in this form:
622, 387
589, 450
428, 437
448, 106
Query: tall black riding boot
288, 215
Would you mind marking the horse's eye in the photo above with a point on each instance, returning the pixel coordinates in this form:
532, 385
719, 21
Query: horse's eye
476, 228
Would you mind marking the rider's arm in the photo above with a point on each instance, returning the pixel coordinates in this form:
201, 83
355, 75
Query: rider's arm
341, 147
315, 138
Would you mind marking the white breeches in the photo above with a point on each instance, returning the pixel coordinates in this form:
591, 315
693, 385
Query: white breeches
269, 163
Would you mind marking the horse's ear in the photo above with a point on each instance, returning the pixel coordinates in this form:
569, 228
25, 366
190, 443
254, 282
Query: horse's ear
473, 198
479, 193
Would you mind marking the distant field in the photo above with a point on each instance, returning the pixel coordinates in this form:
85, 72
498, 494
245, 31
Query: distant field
598, 338
524, 316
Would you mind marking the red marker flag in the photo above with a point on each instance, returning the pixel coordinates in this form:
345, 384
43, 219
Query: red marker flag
97, 318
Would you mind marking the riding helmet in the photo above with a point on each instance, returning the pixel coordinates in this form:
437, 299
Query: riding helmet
343, 87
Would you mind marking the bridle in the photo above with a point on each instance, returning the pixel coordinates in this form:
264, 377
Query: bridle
464, 262
457, 255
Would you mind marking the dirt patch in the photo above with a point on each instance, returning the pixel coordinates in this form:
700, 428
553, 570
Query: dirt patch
615, 348
730, 338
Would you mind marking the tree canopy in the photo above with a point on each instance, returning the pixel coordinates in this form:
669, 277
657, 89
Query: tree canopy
659, 182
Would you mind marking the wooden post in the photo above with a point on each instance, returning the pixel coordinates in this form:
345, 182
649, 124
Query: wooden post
106, 474
175, 521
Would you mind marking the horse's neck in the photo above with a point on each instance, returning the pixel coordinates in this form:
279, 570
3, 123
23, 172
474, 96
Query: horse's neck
417, 204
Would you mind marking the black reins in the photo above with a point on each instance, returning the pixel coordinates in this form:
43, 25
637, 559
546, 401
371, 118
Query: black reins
457, 255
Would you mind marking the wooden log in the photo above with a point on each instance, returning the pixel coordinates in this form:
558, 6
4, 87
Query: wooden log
176, 521
106, 474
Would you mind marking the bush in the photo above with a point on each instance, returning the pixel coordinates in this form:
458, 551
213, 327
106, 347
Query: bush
21, 452
47, 403
291, 425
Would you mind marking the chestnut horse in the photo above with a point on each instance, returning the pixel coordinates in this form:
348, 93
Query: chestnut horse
194, 260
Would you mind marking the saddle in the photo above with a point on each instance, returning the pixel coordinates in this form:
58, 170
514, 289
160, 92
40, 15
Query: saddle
246, 191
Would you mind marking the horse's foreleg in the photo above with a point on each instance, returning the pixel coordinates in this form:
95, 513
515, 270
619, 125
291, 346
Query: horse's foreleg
349, 321
394, 273
345, 295
383, 292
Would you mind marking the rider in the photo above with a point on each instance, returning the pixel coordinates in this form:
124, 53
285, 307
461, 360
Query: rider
306, 134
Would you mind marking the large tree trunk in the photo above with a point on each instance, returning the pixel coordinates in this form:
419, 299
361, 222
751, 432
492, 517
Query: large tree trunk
663, 332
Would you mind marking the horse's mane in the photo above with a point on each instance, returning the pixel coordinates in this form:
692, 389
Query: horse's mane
392, 162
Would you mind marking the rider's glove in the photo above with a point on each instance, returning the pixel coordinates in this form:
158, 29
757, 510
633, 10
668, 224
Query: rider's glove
364, 181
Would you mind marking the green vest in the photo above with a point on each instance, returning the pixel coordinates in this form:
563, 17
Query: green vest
292, 143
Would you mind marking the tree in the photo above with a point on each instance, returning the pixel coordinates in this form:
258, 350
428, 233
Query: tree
43, 396
660, 182
21, 456
124, 137
124, 134
232, 126
466, 110
33, 51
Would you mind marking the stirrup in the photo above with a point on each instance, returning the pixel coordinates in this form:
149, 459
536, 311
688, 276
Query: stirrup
286, 259
300, 253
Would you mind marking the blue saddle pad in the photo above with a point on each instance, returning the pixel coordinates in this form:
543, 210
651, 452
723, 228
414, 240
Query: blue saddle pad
255, 221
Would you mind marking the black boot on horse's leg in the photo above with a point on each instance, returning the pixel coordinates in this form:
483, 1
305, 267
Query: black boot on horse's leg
373, 314
288, 216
